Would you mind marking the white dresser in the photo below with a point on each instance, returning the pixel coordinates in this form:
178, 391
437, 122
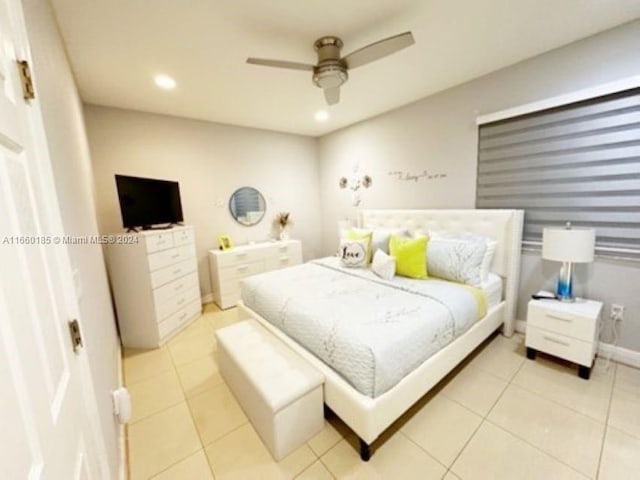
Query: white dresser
154, 278
228, 267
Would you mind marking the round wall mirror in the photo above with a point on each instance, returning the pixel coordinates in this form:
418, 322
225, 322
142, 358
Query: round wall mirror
247, 206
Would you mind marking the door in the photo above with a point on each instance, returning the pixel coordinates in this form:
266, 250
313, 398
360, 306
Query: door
45, 392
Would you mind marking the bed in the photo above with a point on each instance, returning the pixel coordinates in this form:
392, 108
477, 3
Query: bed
382, 356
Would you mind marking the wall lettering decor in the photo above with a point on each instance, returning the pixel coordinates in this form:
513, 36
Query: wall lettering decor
406, 176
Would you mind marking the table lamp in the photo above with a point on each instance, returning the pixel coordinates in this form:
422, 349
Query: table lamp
568, 245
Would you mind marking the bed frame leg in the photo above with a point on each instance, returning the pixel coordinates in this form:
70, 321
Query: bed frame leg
365, 451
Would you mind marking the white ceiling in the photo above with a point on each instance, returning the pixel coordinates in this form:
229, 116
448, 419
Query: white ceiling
116, 46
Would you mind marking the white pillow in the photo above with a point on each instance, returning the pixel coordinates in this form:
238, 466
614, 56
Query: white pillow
383, 265
456, 259
381, 236
353, 253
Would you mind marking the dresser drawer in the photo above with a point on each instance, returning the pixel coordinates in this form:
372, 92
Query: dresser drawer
158, 241
179, 318
292, 249
569, 348
280, 261
169, 257
168, 305
240, 271
175, 287
239, 257
562, 321
183, 237
172, 272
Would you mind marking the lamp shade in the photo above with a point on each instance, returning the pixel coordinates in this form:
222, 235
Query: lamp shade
568, 245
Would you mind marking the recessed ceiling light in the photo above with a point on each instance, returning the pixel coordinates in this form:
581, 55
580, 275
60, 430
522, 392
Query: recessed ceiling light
165, 82
321, 116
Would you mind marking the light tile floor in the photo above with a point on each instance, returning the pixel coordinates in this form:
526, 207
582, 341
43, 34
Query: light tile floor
497, 416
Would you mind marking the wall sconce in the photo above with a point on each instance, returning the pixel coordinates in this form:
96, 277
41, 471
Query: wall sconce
354, 183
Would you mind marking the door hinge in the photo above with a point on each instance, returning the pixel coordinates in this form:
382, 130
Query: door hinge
28, 91
76, 336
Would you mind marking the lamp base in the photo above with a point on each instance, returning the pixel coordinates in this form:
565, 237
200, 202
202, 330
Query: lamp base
564, 290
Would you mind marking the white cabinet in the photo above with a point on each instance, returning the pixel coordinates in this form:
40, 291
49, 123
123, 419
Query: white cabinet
154, 278
229, 267
566, 330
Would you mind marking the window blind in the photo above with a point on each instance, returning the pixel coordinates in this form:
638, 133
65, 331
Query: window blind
578, 163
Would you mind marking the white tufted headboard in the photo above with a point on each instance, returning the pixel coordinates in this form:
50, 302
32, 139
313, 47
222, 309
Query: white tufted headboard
505, 226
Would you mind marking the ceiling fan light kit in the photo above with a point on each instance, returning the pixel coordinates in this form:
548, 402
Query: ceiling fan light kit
331, 71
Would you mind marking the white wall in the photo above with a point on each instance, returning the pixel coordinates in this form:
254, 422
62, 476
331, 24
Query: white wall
210, 161
67, 142
439, 134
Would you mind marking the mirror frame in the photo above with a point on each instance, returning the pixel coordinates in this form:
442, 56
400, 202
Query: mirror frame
264, 202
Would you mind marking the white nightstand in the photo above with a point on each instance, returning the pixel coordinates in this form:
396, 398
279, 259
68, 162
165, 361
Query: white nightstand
565, 330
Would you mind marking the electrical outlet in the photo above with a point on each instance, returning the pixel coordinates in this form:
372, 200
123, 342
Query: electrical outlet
617, 311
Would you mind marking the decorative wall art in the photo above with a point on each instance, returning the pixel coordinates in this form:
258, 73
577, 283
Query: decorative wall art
355, 182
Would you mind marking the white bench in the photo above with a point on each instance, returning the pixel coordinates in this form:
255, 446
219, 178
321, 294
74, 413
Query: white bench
278, 390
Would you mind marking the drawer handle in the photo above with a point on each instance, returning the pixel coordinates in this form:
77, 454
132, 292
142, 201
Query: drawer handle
175, 272
557, 317
182, 317
178, 287
243, 268
241, 255
284, 259
180, 302
177, 255
555, 340
282, 249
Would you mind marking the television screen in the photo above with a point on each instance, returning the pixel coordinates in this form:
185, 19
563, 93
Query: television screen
145, 201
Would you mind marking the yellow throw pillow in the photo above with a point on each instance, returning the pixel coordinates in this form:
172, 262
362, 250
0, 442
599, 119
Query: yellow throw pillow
365, 235
411, 256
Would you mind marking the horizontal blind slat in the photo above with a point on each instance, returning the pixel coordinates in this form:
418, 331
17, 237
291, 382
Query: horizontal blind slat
579, 173
567, 145
534, 120
626, 153
577, 127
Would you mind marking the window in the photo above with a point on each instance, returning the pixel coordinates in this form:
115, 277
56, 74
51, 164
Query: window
578, 163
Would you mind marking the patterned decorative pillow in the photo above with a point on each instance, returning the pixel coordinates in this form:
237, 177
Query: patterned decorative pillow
353, 253
456, 259
362, 234
383, 265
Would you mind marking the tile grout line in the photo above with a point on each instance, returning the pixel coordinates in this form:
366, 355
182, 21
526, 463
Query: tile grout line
484, 419
606, 421
537, 448
524, 439
523, 387
421, 448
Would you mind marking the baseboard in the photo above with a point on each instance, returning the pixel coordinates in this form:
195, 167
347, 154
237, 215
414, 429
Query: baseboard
122, 441
619, 354
208, 298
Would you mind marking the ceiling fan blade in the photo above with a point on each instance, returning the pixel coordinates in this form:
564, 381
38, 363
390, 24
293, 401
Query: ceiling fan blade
280, 64
332, 95
377, 50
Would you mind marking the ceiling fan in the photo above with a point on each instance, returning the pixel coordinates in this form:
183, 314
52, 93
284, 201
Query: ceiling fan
331, 70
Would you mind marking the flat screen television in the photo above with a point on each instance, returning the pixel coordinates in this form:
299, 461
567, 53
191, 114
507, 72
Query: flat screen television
145, 202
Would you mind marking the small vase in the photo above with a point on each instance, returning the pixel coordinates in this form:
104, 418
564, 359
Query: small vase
284, 233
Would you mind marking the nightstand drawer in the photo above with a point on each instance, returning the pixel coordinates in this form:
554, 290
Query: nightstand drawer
561, 346
563, 322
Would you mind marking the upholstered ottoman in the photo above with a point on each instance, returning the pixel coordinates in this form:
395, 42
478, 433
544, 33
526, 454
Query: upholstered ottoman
278, 390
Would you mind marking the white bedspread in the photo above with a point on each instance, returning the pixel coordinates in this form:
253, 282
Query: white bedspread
371, 331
